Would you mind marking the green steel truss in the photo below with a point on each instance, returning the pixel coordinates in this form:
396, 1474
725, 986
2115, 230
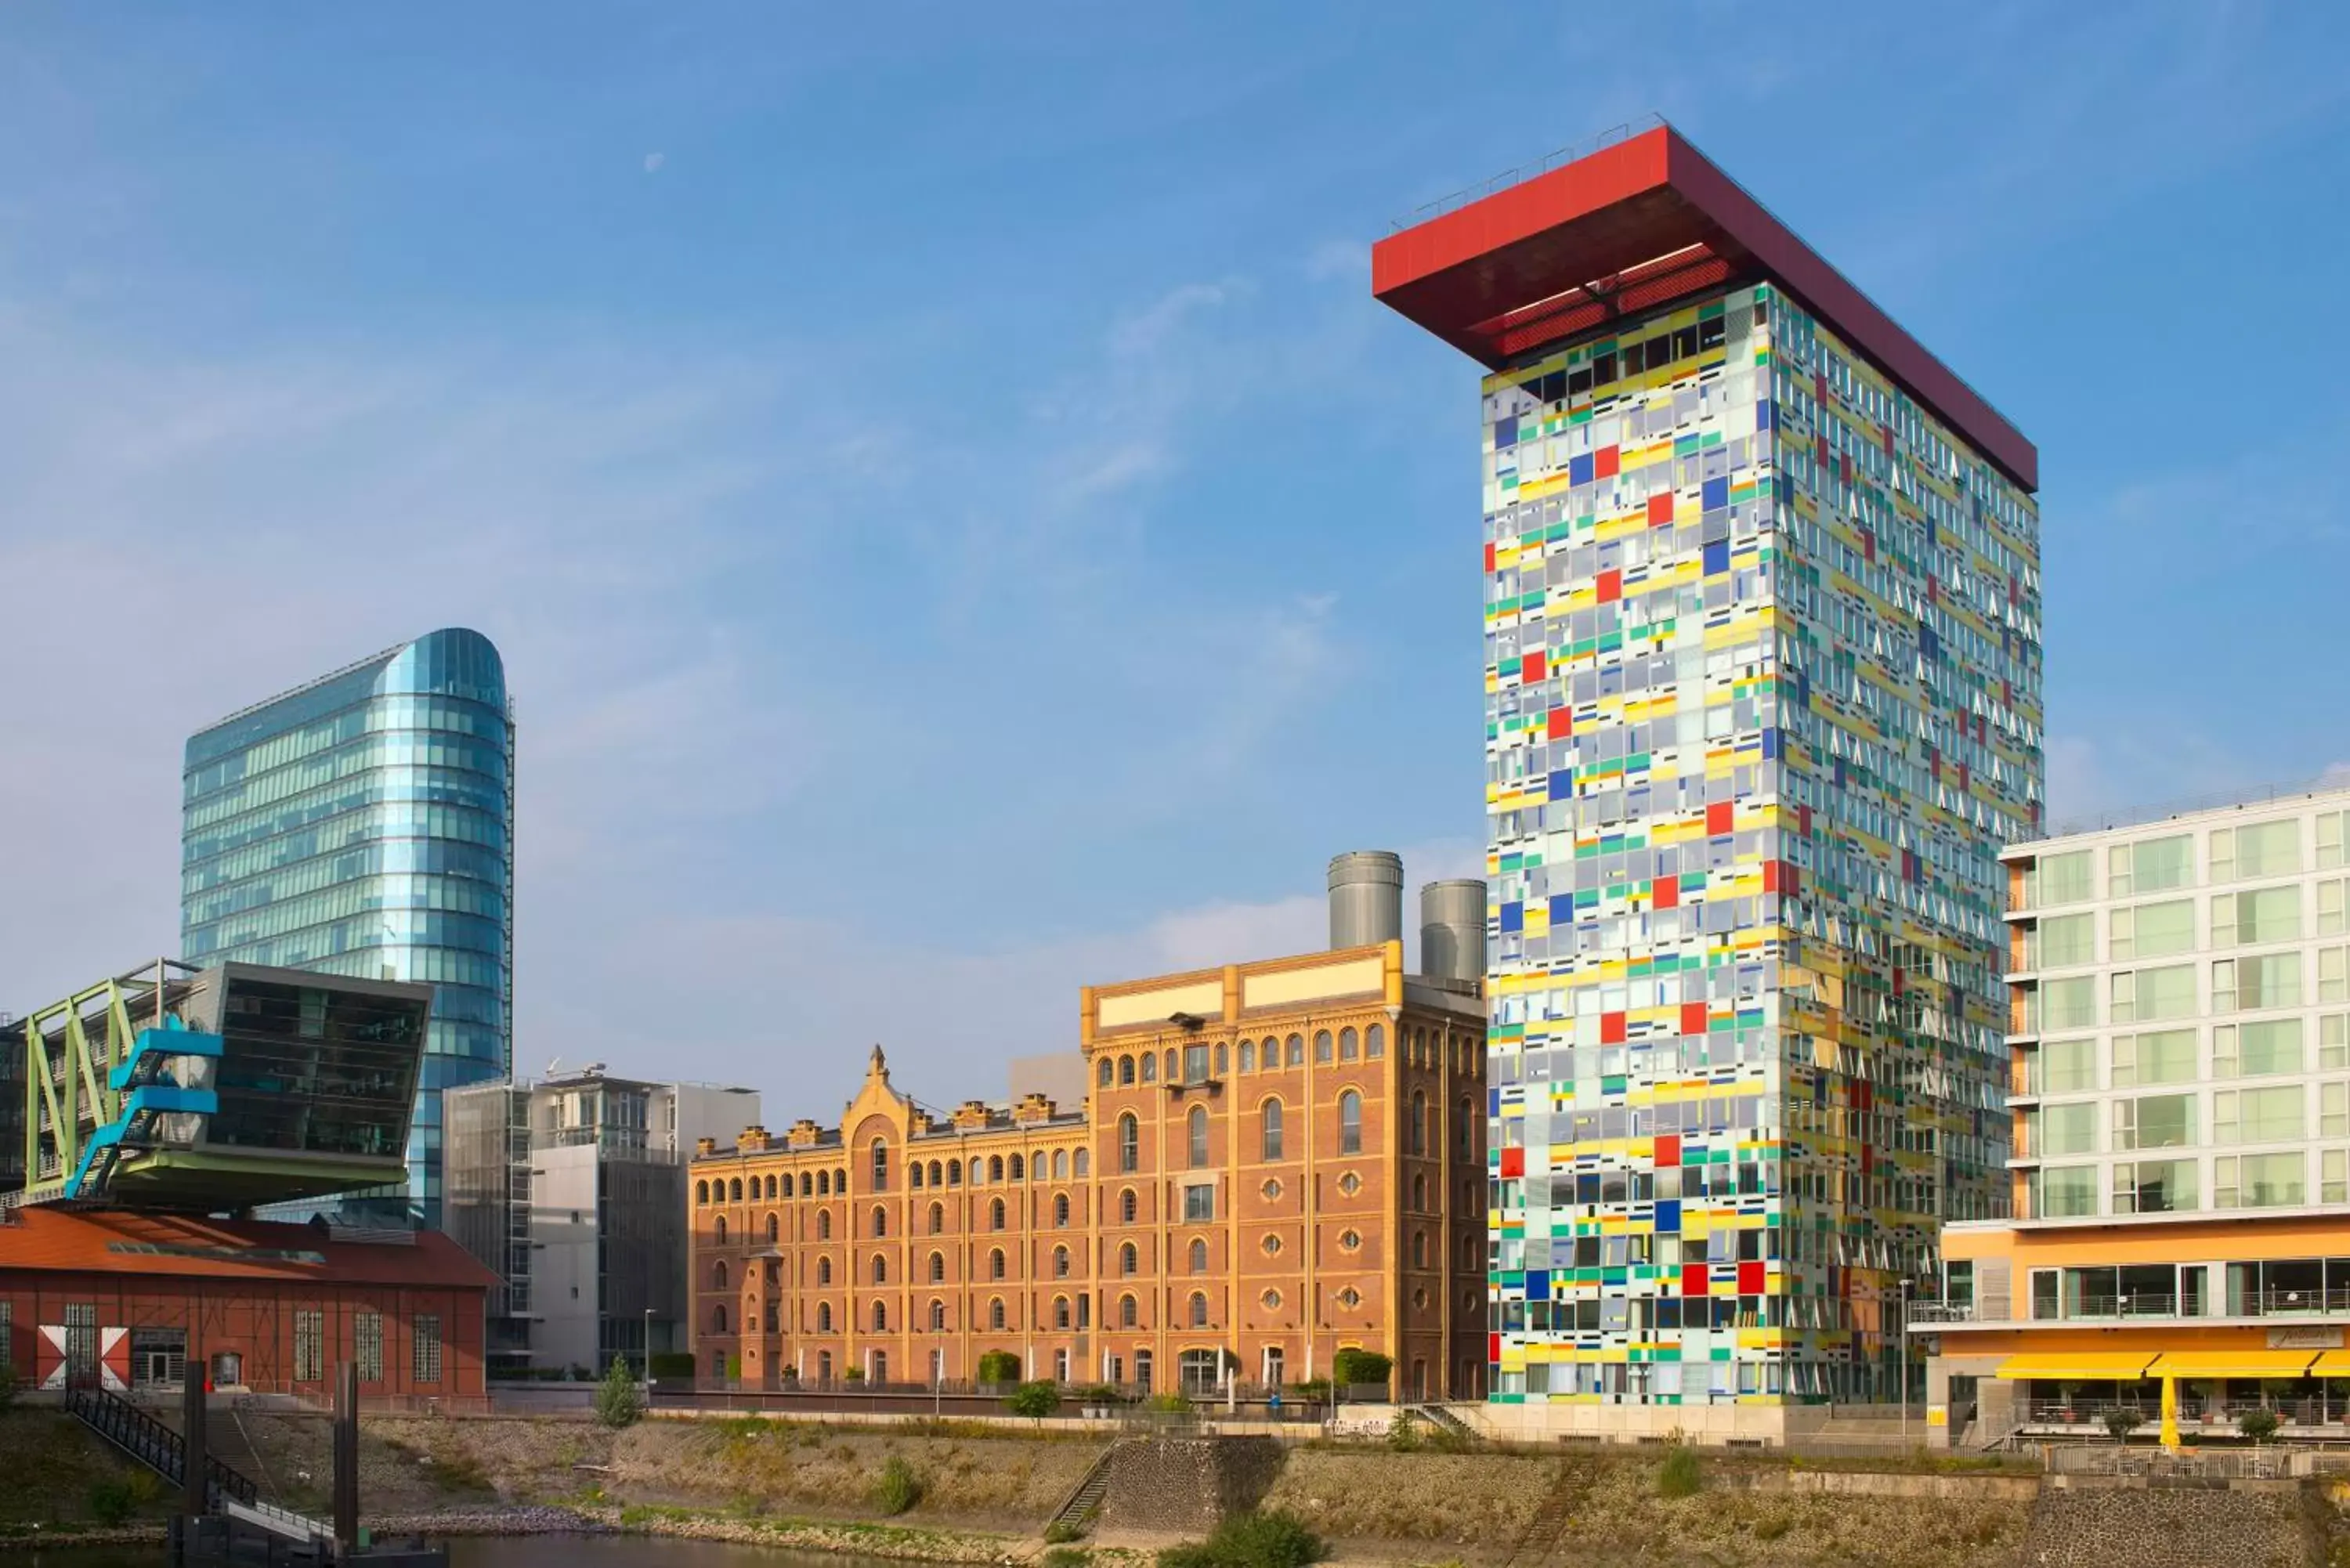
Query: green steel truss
70, 1047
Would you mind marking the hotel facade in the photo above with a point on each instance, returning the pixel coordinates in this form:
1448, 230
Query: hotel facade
2179, 1083
1761, 708
1275, 1161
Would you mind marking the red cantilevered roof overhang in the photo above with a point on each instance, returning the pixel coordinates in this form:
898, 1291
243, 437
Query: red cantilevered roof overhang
1627, 230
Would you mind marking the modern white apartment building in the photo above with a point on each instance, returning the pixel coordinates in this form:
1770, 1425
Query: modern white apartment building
2181, 1027
2180, 1089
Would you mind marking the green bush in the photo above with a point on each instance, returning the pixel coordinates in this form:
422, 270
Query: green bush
2259, 1426
1353, 1367
1034, 1400
999, 1366
1269, 1539
1061, 1531
1317, 1389
897, 1488
1099, 1394
1403, 1433
1067, 1556
1679, 1476
112, 1500
673, 1364
616, 1400
2121, 1421
1170, 1403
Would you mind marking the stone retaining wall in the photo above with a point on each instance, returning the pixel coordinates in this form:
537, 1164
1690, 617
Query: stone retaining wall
1186, 1486
2098, 1527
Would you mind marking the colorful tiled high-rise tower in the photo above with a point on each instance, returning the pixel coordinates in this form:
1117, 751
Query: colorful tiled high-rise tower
1763, 707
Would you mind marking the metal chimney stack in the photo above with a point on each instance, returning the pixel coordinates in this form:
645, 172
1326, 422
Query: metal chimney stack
1453, 931
1366, 898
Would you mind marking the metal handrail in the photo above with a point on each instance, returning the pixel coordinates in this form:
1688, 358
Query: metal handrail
2185, 806
1543, 165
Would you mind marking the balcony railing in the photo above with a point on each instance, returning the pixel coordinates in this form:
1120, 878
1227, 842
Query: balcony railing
2142, 1304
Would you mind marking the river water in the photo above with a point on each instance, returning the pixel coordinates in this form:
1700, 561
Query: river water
524, 1551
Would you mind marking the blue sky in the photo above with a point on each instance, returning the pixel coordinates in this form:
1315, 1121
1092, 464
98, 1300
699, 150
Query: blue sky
957, 525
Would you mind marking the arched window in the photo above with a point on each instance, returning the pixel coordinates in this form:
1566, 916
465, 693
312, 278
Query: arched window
1128, 1260
1126, 1312
995, 1214
880, 1221
1199, 1309
823, 1184
1199, 1256
824, 1270
720, 1223
824, 1318
996, 1168
1346, 1044
914, 1174
1060, 1165
1150, 1067
938, 1268
824, 1225
1081, 1164
954, 1173
1420, 1248
1321, 1047
1374, 1041
978, 1171
880, 1270
1019, 1172
938, 1313
996, 1312
938, 1217
824, 1365
1126, 1069
1060, 1263
880, 1317
1417, 1127
1464, 1135
1248, 1055
995, 1263
1060, 1209
1126, 1206
702, 1192
1109, 1070
1271, 1112
1170, 1064
1420, 1194
774, 1229
841, 1182
718, 1318
735, 1186
1350, 1123
1130, 1143
718, 1274
1222, 1062
934, 1173
880, 1166
1297, 1050
1060, 1311
1195, 1127
808, 1184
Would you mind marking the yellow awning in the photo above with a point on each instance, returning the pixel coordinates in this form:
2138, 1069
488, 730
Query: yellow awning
2331, 1363
2078, 1366
2233, 1364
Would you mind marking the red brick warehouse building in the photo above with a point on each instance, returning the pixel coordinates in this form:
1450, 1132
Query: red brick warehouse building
121, 1301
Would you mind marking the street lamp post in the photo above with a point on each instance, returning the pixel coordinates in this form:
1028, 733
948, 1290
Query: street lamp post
1905, 1363
649, 1356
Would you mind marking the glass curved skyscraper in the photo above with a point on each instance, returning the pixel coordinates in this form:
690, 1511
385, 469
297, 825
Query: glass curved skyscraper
363, 824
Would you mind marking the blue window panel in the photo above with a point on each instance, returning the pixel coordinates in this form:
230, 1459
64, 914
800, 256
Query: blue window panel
1578, 469
1561, 784
1505, 432
1770, 745
1514, 917
1561, 908
1717, 557
1668, 1215
1537, 1285
1716, 493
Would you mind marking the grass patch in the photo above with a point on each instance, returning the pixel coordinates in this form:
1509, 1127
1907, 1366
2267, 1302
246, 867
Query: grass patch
1062, 1530
1267, 1539
1680, 1475
897, 1488
1067, 1557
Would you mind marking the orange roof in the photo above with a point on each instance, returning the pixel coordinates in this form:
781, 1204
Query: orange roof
116, 1241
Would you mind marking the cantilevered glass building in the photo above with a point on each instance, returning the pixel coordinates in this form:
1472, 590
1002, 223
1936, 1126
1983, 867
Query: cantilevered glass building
363, 824
1762, 701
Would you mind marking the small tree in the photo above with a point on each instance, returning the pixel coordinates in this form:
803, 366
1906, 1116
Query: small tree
617, 1401
2259, 1426
897, 1488
1355, 1367
999, 1366
1034, 1400
1680, 1475
2121, 1421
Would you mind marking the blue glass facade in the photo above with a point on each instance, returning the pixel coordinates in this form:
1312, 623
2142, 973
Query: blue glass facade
363, 824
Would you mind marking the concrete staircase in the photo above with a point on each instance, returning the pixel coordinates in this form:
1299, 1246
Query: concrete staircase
1076, 1511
